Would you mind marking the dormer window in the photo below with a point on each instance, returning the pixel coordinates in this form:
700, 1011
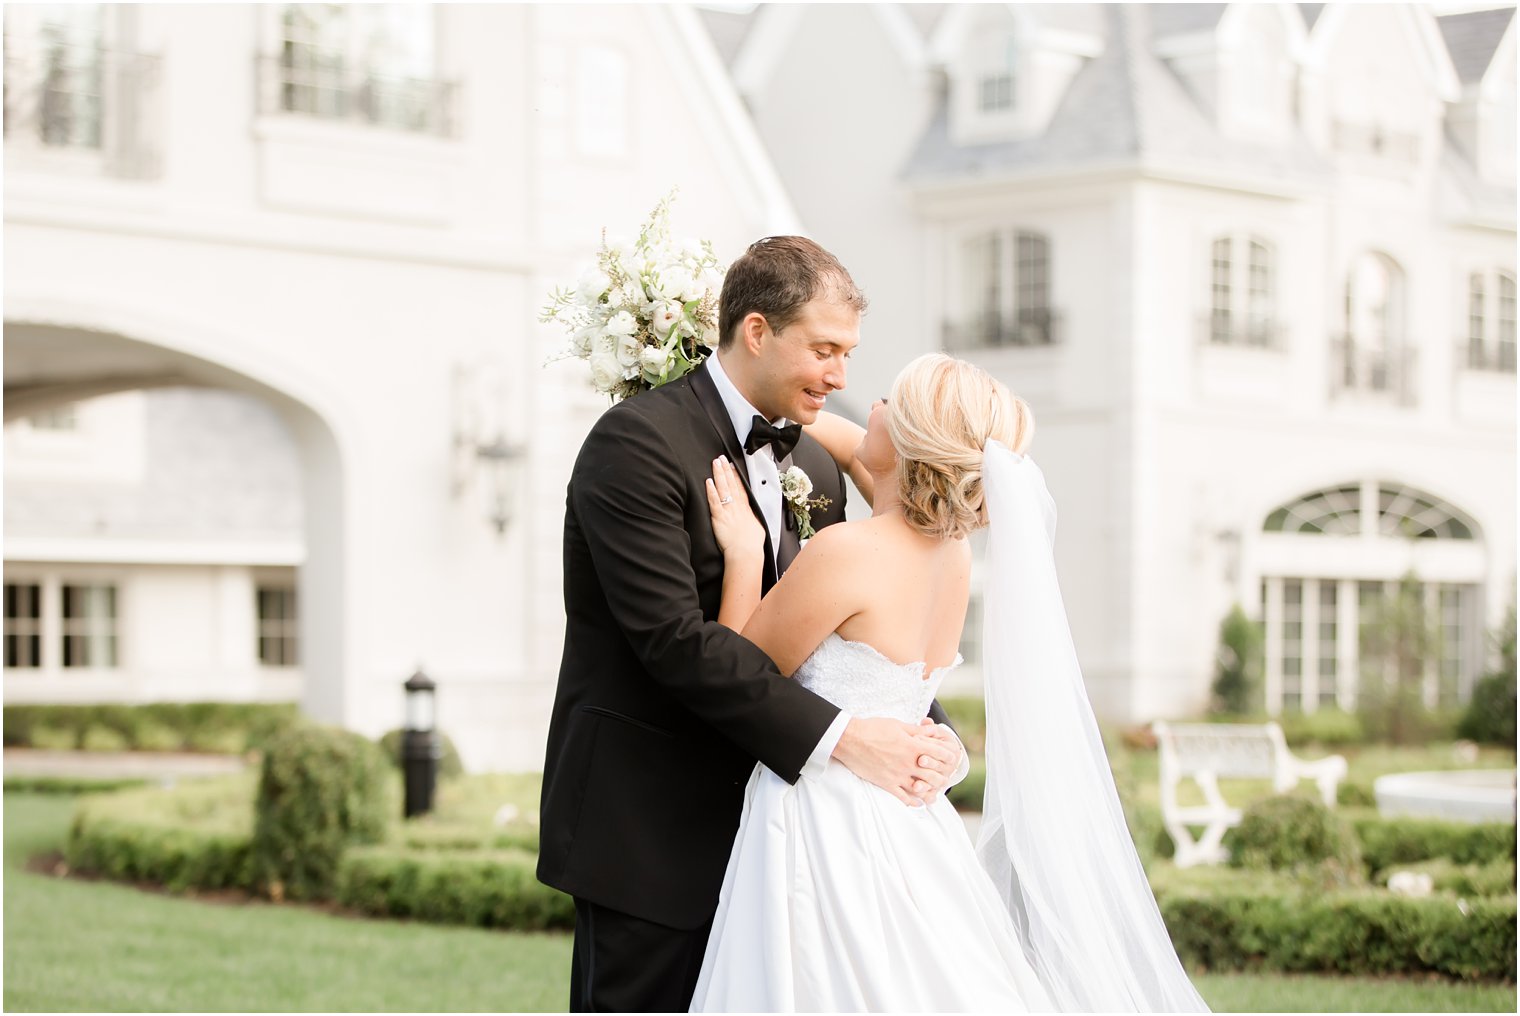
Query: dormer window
994, 74
996, 93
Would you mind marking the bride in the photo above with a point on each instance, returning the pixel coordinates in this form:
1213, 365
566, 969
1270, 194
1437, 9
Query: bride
838, 897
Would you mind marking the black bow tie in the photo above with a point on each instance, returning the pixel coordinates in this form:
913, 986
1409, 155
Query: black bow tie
781, 439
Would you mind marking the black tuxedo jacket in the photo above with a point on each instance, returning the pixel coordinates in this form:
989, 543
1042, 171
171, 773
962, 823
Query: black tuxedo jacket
661, 712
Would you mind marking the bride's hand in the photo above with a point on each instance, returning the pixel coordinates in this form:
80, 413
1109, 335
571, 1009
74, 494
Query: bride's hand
735, 526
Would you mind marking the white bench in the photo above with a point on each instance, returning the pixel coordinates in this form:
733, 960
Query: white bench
1208, 751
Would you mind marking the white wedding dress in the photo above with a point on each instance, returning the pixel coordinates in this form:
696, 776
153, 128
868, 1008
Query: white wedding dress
840, 898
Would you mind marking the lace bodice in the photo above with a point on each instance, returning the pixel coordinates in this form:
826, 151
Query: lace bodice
857, 678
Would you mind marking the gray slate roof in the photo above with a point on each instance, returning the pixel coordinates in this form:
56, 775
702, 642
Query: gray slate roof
1184, 19
1473, 38
1123, 105
728, 30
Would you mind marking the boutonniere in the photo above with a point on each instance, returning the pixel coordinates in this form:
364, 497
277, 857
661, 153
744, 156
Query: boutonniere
795, 488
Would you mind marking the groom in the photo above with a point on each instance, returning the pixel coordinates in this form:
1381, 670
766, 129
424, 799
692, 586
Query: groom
660, 712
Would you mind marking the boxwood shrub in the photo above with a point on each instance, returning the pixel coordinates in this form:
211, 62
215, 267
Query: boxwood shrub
1286, 832
321, 790
1347, 933
1389, 841
488, 890
226, 727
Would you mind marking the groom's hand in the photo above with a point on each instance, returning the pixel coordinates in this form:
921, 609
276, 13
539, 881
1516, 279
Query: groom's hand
909, 762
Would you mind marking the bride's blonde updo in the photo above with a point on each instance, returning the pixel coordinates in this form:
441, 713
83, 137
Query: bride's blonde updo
941, 414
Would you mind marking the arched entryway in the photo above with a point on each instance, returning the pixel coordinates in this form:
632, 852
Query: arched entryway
1329, 557
59, 353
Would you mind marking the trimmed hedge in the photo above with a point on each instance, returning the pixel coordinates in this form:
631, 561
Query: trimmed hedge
1363, 934
222, 727
68, 786
1496, 878
194, 837
321, 790
1389, 841
179, 859
1286, 832
487, 890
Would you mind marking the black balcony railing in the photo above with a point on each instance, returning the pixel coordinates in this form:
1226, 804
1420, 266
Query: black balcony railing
1216, 329
1373, 370
85, 99
1023, 329
330, 92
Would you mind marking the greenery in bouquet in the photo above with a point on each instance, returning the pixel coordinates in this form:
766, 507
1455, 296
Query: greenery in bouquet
645, 313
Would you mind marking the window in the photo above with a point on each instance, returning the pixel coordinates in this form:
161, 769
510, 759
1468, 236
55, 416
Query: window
1007, 298
1490, 338
1476, 353
1242, 297
1328, 654
1401, 511
996, 92
1292, 645
1219, 314
1456, 624
63, 419
277, 626
994, 80
368, 62
1506, 322
23, 625
89, 626
1336, 511
74, 95
1371, 356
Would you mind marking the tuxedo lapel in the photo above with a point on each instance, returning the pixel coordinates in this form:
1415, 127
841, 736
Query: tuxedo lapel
706, 394
790, 543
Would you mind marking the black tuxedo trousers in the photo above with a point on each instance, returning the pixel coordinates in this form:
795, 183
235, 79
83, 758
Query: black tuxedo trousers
660, 712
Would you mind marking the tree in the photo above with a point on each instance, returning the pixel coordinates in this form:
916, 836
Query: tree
1237, 665
1397, 642
1490, 716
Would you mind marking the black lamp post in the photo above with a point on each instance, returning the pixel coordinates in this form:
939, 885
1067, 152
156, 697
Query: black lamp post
421, 747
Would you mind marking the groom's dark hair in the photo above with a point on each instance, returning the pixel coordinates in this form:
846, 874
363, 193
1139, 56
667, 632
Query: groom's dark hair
775, 278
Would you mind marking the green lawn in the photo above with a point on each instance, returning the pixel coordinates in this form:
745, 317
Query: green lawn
72, 945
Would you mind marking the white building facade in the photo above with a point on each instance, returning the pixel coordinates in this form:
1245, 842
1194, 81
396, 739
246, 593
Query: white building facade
278, 425
1253, 265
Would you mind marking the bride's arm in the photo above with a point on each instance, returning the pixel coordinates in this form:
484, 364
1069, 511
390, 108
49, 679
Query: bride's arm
840, 438
742, 541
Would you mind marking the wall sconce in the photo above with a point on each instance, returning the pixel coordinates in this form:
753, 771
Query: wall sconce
481, 449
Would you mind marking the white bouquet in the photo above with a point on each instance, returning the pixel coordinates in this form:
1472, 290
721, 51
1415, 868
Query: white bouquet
645, 313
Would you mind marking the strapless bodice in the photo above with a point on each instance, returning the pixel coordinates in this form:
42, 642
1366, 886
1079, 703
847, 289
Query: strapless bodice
857, 678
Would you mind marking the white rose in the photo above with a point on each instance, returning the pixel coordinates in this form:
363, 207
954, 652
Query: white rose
606, 371
709, 337
583, 339
591, 286
796, 484
663, 316
654, 360
628, 350
621, 323
675, 283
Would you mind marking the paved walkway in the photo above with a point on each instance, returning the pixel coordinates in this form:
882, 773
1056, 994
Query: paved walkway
114, 765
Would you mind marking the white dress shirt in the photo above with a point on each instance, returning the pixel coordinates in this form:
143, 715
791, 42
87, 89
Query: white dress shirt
764, 480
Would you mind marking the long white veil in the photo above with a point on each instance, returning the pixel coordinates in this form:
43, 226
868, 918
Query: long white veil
1053, 835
